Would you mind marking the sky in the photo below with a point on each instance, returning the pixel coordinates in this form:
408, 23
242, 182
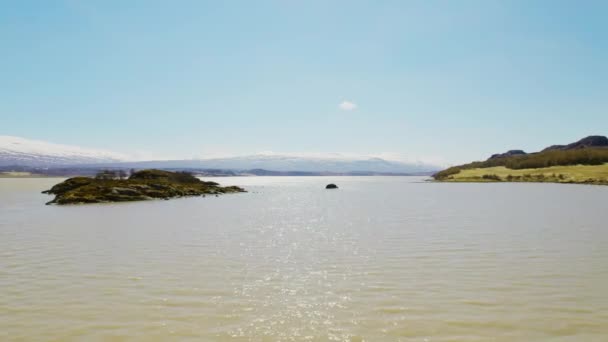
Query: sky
438, 80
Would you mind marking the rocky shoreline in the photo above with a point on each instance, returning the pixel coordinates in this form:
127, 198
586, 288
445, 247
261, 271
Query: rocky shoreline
140, 186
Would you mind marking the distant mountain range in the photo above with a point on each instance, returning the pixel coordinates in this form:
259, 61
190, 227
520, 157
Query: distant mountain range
24, 152
19, 153
288, 163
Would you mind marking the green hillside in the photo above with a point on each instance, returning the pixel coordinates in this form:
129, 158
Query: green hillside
580, 174
582, 162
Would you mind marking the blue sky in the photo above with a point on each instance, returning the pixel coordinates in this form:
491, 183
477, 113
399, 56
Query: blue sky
455, 80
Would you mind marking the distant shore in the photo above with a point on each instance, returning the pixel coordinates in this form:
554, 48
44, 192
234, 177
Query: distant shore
582, 162
26, 175
243, 174
571, 174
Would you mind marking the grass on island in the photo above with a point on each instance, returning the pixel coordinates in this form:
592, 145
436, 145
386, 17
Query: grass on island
113, 186
585, 174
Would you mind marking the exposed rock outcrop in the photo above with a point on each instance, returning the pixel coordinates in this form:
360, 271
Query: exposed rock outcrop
142, 185
590, 141
508, 154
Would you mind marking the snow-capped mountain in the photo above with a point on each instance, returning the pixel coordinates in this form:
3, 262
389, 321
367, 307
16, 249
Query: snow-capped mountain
15, 151
327, 163
289, 163
25, 152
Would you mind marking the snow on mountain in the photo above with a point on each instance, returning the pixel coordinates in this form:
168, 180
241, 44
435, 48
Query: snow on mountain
286, 162
307, 163
25, 152
15, 151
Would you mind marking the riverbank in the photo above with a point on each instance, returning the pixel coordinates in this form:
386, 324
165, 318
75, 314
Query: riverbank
571, 174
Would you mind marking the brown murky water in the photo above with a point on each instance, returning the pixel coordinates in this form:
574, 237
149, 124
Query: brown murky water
380, 259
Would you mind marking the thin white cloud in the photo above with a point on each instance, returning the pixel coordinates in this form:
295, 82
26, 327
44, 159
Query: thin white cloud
347, 106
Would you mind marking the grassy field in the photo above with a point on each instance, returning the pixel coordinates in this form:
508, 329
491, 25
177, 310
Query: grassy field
584, 174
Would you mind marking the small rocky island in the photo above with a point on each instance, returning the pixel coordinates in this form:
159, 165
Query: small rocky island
331, 186
140, 186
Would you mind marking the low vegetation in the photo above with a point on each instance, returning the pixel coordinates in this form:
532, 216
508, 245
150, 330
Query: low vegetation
581, 174
586, 156
584, 161
141, 185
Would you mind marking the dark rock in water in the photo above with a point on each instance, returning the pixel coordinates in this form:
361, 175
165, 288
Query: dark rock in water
142, 185
331, 186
